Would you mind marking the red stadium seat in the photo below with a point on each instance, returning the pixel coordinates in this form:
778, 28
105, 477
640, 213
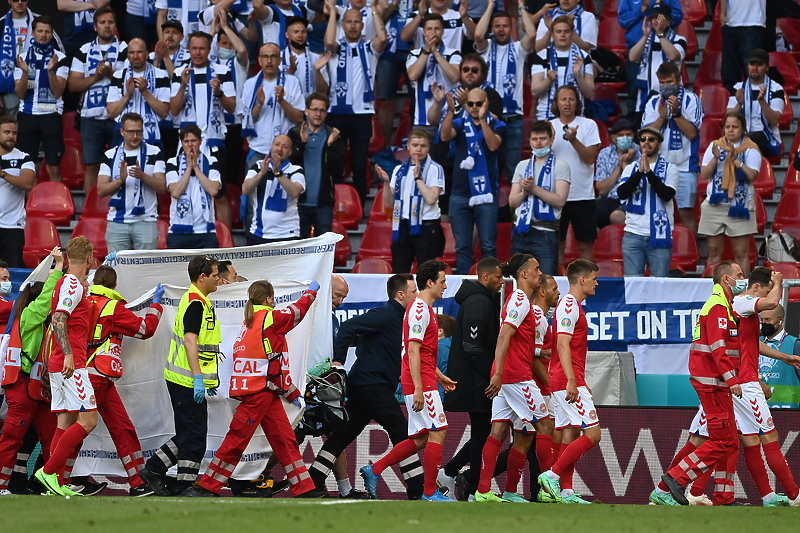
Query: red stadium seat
343, 248
94, 206
761, 214
72, 168
610, 9
94, 229
403, 128
377, 142
789, 271
611, 35
608, 246
377, 211
610, 269
715, 102
449, 256
606, 92
709, 131
686, 30
792, 178
372, 265
765, 181
164, 203
605, 137
51, 200
571, 248
448, 270
619, 86
163, 230
788, 211
708, 271
588, 5
376, 241
714, 38
41, 236
234, 196
694, 11
71, 135
502, 244
224, 235
787, 66
710, 70
791, 32
348, 206
684, 248
752, 253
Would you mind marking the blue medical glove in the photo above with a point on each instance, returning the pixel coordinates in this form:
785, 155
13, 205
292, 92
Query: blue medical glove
313, 286
110, 257
212, 391
297, 402
158, 294
199, 389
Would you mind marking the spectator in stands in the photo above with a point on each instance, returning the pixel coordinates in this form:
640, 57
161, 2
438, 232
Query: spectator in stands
584, 24
17, 175
272, 186
170, 54
140, 22
140, 88
297, 59
41, 76
761, 100
193, 181
412, 192
743, 30
632, 15
391, 65
352, 79
368, 16
274, 18
90, 76
5, 290
506, 60
562, 63
446, 326
432, 64
658, 45
478, 137
79, 27
271, 103
317, 148
611, 161
648, 185
457, 24
183, 11
539, 190
133, 174
678, 114
577, 142
730, 164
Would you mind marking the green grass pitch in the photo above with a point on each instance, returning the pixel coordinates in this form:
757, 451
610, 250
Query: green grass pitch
29, 514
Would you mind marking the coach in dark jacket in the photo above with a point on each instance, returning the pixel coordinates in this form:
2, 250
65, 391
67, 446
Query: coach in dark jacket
372, 381
470, 365
320, 151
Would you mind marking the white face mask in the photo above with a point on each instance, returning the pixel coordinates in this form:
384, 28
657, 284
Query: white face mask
5, 287
226, 53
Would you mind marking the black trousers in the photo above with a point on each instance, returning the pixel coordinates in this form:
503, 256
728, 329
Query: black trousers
187, 448
364, 404
429, 244
12, 241
357, 130
472, 451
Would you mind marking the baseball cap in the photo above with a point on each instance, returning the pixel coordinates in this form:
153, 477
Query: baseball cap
621, 124
758, 56
650, 129
173, 24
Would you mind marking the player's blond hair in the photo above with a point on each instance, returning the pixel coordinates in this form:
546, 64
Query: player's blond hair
79, 249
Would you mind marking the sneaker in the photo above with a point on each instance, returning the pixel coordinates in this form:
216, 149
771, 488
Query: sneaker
779, 500
698, 500
154, 481
278, 486
436, 497
370, 481
445, 481
514, 497
795, 502
551, 486
314, 493
736, 503
67, 491
50, 482
677, 490
6, 492
197, 491
662, 499
544, 497
489, 497
356, 494
141, 491
463, 489
574, 498
87, 488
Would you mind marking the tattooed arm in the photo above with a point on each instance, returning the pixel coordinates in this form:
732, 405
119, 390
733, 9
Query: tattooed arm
62, 338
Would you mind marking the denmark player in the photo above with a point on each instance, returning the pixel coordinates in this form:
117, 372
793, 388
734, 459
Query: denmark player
427, 423
576, 416
516, 400
66, 341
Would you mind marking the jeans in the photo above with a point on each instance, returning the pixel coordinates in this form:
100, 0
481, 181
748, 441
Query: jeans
192, 240
541, 244
513, 147
141, 235
636, 248
320, 217
462, 219
737, 43
357, 130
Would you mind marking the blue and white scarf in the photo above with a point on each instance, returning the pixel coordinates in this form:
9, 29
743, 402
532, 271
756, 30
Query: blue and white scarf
296, 12
534, 207
138, 104
309, 79
83, 21
8, 55
424, 92
738, 208
248, 124
343, 104
96, 96
47, 51
150, 12
508, 84
214, 118
774, 145
275, 196
643, 81
578, 12
569, 75
675, 135
660, 229
416, 200
475, 164
132, 191
184, 203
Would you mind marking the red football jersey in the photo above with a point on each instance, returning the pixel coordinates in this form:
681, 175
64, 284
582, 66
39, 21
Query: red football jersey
420, 324
518, 314
543, 342
745, 311
570, 320
69, 296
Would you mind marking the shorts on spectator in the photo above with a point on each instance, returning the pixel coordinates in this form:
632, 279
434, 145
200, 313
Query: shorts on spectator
73, 394
97, 136
686, 194
388, 73
581, 214
34, 131
714, 220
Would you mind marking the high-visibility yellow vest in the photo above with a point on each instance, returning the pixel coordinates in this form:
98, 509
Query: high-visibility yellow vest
177, 369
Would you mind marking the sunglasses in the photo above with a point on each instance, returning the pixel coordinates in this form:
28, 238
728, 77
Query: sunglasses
474, 70
475, 104
648, 139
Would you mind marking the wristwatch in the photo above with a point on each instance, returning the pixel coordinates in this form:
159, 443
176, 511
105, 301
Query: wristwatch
661, 35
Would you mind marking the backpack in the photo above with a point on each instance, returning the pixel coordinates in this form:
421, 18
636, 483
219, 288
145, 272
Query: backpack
780, 248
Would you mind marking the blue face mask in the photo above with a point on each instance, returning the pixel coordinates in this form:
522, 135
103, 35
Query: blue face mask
5, 287
541, 152
624, 143
739, 288
550, 312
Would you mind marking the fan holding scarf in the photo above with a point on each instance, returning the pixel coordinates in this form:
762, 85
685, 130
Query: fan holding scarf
649, 186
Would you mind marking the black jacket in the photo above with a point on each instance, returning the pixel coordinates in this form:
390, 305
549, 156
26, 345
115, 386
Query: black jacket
472, 348
332, 164
378, 338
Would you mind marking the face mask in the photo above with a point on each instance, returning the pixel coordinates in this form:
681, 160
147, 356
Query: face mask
624, 143
739, 288
227, 53
768, 330
5, 287
541, 152
298, 45
669, 90
550, 312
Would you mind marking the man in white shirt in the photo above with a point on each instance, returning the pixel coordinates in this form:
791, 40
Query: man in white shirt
170, 54
133, 174
274, 19
743, 30
457, 23
184, 11
90, 75
17, 176
585, 24
297, 59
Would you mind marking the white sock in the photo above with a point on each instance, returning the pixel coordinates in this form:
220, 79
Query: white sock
552, 475
567, 492
344, 486
768, 497
662, 492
